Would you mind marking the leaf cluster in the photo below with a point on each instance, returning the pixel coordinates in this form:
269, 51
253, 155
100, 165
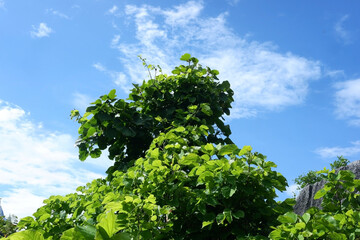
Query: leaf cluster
339, 217
191, 96
313, 176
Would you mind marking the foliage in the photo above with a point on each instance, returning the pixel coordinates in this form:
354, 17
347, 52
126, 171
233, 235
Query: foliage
177, 174
339, 218
126, 128
313, 176
8, 225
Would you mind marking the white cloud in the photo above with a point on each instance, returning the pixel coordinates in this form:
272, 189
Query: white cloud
333, 152
81, 101
42, 31
36, 163
57, 13
115, 41
341, 32
263, 78
292, 190
347, 101
118, 78
183, 14
113, 10
2, 4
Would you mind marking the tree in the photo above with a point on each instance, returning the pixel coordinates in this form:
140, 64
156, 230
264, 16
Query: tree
8, 225
176, 175
313, 176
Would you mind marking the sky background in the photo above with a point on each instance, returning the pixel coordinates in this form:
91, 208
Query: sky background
293, 65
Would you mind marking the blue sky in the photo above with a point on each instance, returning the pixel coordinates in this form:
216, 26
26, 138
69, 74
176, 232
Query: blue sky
293, 66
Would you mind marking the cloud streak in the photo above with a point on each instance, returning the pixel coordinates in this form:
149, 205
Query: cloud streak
41, 31
263, 78
57, 13
341, 32
36, 163
347, 101
333, 152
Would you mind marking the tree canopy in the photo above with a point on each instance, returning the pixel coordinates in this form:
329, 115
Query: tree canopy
177, 174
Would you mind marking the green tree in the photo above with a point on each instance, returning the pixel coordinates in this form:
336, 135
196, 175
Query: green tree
176, 175
339, 217
8, 225
313, 176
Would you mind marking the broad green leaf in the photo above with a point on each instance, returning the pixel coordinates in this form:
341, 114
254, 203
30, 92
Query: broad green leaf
156, 163
189, 159
185, 57
289, 217
227, 149
320, 193
206, 109
108, 224
220, 218
206, 223
112, 94
306, 217
91, 131
27, 235
179, 129
155, 153
238, 214
300, 225
122, 236
245, 150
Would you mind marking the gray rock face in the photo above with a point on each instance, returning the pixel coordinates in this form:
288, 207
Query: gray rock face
305, 200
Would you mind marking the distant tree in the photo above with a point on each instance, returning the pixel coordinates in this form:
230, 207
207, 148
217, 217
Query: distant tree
8, 225
313, 176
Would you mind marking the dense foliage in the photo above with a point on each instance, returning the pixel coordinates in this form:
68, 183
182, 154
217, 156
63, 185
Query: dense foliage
7, 225
313, 176
339, 219
178, 175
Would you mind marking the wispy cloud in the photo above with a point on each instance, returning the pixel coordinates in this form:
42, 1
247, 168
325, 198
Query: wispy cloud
2, 4
347, 101
233, 2
115, 41
57, 13
113, 10
118, 78
341, 32
263, 78
81, 101
36, 163
41, 31
333, 152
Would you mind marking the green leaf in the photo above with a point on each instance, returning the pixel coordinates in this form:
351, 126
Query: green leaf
179, 129
289, 217
205, 108
306, 217
227, 149
220, 218
185, 57
28, 235
189, 159
107, 223
245, 150
112, 94
206, 223
91, 131
122, 236
320, 193
238, 214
